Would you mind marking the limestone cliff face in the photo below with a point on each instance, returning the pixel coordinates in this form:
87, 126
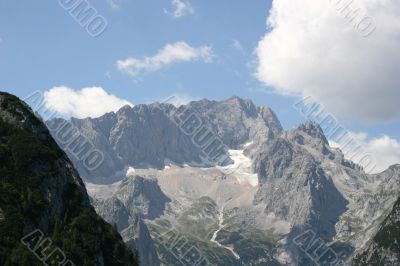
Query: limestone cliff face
293, 183
135, 198
149, 135
131, 226
384, 247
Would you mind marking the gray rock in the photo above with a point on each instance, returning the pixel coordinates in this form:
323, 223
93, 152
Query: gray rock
113, 211
138, 236
384, 247
132, 229
237, 121
135, 199
293, 184
148, 135
142, 196
302, 180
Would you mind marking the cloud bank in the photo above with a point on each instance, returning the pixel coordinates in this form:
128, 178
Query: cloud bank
87, 102
325, 50
170, 54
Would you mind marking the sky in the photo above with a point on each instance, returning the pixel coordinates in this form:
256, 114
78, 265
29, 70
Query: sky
345, 57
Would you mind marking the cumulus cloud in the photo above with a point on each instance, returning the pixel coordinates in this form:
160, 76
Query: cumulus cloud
344, 53
87, 102
385, 150
181, 8
170, 54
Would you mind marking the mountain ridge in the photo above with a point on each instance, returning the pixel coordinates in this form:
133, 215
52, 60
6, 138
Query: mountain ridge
277, 181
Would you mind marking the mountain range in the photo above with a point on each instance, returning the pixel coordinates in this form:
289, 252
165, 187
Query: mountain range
205, 183
252, 206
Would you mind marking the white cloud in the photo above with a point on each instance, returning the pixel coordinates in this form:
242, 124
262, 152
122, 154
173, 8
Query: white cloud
87, 102
385, 150
313, 49
237, 45
181, 8
170, 54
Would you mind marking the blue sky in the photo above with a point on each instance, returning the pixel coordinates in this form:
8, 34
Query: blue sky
43, 47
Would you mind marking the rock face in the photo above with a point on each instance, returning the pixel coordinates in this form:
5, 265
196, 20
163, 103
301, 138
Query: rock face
142, 196
150, 135
276, 185
42, 193
371, 199
127, 208
138, 237
384, 247
292, 163
113, 211
134, 199
237, 121
295, 186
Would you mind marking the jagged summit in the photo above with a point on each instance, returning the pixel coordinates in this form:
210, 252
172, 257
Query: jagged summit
244, 103
312, 129
148, 135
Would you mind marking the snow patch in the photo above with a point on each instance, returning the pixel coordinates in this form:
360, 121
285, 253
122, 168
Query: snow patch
247, 144
130, 171
241, 168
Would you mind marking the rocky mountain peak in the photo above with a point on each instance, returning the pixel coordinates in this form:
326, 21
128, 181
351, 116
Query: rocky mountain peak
311, 129
148, 135
270, 118
124, 110
244, 104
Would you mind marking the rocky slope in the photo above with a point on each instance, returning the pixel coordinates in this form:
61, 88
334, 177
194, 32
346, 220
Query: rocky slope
384, 247
292, 162
126, 204
46, 216
277, 186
